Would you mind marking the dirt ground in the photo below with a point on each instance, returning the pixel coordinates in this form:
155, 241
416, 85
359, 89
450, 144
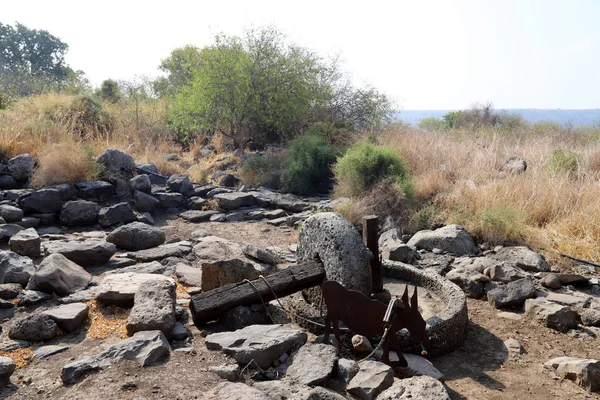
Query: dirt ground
480, 369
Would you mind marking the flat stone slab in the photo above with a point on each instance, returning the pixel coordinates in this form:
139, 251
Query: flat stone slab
198, 216
313, 364
372, 378
120, 289
50, 350
85, 253
419, 366
584, 372
68, 317
416, 388
555, 316
512, 294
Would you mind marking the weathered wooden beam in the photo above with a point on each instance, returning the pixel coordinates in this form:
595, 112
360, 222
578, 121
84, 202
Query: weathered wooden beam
210, 305
371, 240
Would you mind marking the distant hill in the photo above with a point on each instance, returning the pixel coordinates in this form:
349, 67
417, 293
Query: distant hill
576, 117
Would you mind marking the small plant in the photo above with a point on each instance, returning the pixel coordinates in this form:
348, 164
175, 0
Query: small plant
564, 161
65, 163
264, 170
425, 218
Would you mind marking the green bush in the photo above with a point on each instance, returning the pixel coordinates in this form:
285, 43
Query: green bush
564, 161
309, 165
433, 124
264, 170
365, 164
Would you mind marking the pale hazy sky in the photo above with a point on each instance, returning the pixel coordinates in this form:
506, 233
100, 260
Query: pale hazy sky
425, 54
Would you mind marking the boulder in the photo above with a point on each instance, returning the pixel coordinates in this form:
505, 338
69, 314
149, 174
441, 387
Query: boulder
521, 257
237, 391
372, 378
420, 366
505, 273
229, 372
179, 184
66, 191
153, 308
153, 267
8, 182
9, 291
170, 200
33, 328
584, 372
152, 171
116, 165
98, 191
515, 165
136, 236
346, 369
551, 281
234, 200
196, 216
10, 213
453, 239
555, 316
189, 276
26, 243
29, 222
9, 230
15, 268
260, 254
161, 252
591, 317
79, 213
68, 317
262, 343
145, 202
118, 213
57, 274
418, 387
7, 367
145, 218
145, 348
512, 294
120, 289
141, 182
44, 201
196, 203
313, 364
332, 239
21, 167
227, 180
470, 281
49, 350
88, 252
31, 297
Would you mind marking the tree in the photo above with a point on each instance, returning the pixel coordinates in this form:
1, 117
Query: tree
109, 91
179, 67
31, 61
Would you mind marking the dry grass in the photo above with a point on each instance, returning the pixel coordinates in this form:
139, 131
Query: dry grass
104, 321
21, 357
66, 162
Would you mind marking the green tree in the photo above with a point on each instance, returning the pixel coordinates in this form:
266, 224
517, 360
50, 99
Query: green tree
432, 124
109, 91
179, 67
31, 61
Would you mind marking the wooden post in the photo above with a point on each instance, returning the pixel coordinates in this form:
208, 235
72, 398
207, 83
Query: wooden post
371, 240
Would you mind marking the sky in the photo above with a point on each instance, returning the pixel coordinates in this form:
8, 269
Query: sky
424, 54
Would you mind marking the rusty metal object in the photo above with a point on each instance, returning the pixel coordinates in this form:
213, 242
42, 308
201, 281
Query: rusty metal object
366, 317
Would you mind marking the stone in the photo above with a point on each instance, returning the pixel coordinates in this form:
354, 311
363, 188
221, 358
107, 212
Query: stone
98, 191
453, 239
420, 366
313, 364
234, 200
7, 367
88, 252
506, 273
26, 243
179, 184
572, 279
551, 281
136, 236
196, 203
15, 268
49, 350
260, 254
584, 372
227, 180
145, 202
203, 190
152, 171
68, 317
6, 304
141, 182
196, 216
170, 200
31, 297
568, 300
521, 257
241, 316
513, 347
189, 276
153, 267
512, 294
219, 217
57, 274
146, 348
555, 316
11, 345
261, 343
33, 328
372, 378
161, 252
11, 213
120, 289
361, 344
591, 317
118, 213
515, 165
21, 167
237, 391
471, 282
29, 222
333, 239
9, 291
79, 213
44, 201
418, 387
229, 372
8, 182
235, 216
116, 164
153, 308
274, 214
9, 230
179, 332
66, 191
346, 369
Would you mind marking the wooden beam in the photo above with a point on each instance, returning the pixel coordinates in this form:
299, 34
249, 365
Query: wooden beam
371, 240
209, 306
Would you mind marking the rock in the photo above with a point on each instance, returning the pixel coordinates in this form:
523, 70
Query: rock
153, 267
179, 184
10, 345
33, 328
141, 182
453, 239
568, 300
237, 391
8, 182
419, 366
66, 191
29, 222
261, 343
49, 350
10, 213
170, 200
85, 253
7, 367
334, 240
79, 213
573, 279
119, 213
234, 200
229, 372
6, 304
585, 373
512, 294
145, 202
260, 254
372, 378
98, 191
15, 268
161, 252
361, 344
551, 281
471, 282
555, 316
26, 243
31, 297
506, 273
179, 332
153, 308
514, 347
418, 387
57, 274
515, 165
196, 216
189, 276
136, 236
116, 165
218, 218
242, 316
120, 289
68, 317
21, 167
145, 348
44, 201
9, 291
521, 257
227, 180
152, 171
145, 218
235, 216
591, 317
196, 203
274, 214
9, 230
346, 369
313, 364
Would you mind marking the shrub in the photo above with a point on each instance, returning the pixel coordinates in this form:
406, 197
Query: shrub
309, 165
65, 163
433, 124
264, 170
425, 218
564, 161
365, 164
